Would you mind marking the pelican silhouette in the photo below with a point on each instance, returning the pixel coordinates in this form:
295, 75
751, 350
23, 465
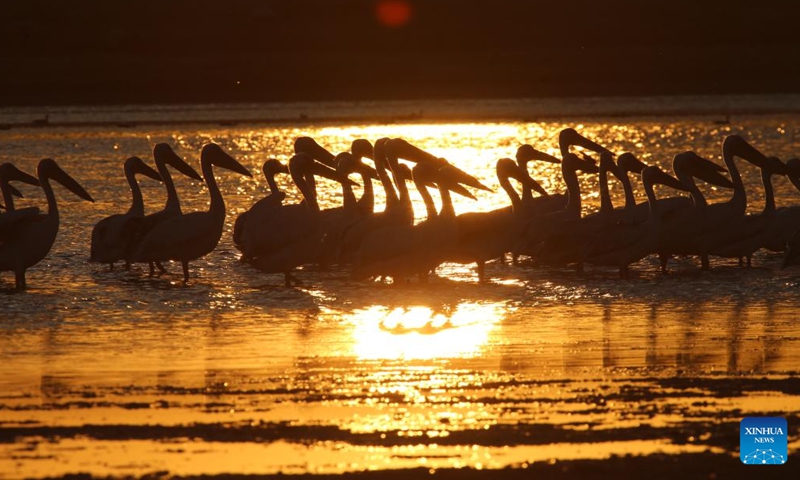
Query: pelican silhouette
164, 155
483, 236
247, 222
296, 230
10, 173
756, 229
402, 250
113, 236
546, 202
787, 219
27, 241
620, 244
193, 235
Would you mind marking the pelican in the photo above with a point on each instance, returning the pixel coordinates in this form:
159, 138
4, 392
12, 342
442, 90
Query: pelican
250, 220
757, 229
164, 155
787, 219
112, 237
360, 149
620, 244
681, 215
483, 236
27, 241
541, 227
10, 173
190, 236
403, 250
545, 202
723, 219
296, 230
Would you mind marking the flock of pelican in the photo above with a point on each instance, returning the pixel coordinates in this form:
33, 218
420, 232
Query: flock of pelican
276, 237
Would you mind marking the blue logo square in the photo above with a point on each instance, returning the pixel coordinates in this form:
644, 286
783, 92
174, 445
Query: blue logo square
763, 441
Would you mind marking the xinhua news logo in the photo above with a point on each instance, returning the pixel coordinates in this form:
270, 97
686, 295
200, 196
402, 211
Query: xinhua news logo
763, 441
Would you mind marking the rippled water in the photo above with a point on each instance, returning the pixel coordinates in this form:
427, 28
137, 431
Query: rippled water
123, 374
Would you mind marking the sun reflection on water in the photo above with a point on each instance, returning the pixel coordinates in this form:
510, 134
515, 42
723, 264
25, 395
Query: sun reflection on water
419, 333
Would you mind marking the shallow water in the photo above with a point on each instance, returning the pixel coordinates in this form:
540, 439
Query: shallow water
115, 373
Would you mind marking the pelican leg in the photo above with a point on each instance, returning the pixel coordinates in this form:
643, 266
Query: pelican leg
185, 264
19, 277
624, 272
579, 268
152, 268
515, 258
705, 265
161, 268
127, 265
481, 271
663, 259
111, 267
741, 262
749, 259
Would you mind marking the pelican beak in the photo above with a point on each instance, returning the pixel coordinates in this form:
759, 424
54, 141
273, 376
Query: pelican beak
629, 163
50, 168
221, 159
15, 192
736, 145
449, 177
309, 146
776, 167
463, 177
656, 175
139, 167
526, 153
14, 174
181, 166
704, 169
569, 137
322, 170
273, 167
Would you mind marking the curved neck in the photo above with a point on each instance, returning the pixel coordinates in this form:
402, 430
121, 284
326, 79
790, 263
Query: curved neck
52, 207
403, 198
630, 200
309, 194
8, 199
430, 207
367, 201
273, 186
348, 197
739, 196
573, 190
392, 202
516, 201
447, 211
697, 196
605, 196
217, 207
172, 195
527, 192
137, 205
769, 194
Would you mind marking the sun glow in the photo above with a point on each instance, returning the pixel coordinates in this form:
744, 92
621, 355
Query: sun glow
419, 333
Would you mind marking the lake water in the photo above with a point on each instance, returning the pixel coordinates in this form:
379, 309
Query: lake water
114, 373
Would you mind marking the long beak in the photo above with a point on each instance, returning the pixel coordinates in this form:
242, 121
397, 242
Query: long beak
526, 153
776, 167
655, 175
183, 167
48, 168
139, 167
569, 137
736, 145
449, 178
629, 163
309, 146
14, 174
322, 170
222, 159
703, 169
14, 191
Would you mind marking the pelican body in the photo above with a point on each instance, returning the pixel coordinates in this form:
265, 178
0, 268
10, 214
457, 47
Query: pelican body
193, 235
26, 242
113, 236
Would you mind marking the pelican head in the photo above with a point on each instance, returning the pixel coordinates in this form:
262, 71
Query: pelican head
273, 167
443, 177
793, 167
575, 163
463, 177
569, 137
362, 148
653, 175
736, 145
526, 153
48, 168
507, 168
302, 163
164, 153
347, 163
627, 162
701, 168
310, 146
214, 154
10, 173
135, 165
776, 167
